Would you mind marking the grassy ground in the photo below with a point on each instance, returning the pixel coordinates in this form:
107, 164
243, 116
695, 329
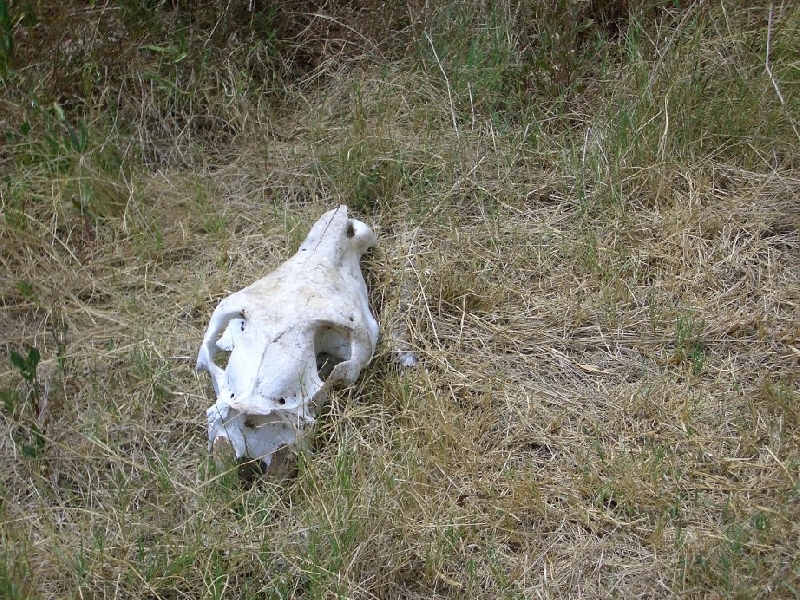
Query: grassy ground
589, 217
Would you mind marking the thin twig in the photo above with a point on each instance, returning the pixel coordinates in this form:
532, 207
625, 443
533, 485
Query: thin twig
585, 146
447, 83
583, 158
767, 64
772, 77
662, 143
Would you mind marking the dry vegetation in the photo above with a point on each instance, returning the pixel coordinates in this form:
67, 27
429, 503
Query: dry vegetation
590, 224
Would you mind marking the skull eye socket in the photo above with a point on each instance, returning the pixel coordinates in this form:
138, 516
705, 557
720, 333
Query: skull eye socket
226, 342
331, 347
351, 231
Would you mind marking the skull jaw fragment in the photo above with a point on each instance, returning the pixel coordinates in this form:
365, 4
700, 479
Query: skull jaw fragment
291, 337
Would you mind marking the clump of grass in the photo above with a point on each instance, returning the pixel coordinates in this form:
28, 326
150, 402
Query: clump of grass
588, 238
689, 344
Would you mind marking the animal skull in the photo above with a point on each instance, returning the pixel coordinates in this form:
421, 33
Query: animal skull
292, 335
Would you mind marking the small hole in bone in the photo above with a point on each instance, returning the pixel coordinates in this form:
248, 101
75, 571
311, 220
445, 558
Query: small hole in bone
281, 401
351, 232
331, 347
221, 359
227, 341
232, 394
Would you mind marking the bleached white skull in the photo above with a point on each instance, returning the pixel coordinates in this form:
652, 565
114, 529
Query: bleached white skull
292, 335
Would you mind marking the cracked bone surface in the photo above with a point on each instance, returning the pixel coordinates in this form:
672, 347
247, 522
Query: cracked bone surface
292, 336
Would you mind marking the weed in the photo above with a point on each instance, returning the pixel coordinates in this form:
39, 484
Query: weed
27, 368
26, 407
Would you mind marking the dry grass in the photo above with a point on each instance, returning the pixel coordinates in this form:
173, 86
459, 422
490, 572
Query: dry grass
590, 236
